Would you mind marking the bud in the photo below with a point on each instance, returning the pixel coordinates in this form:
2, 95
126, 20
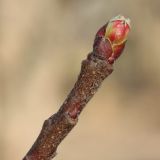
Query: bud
111, 38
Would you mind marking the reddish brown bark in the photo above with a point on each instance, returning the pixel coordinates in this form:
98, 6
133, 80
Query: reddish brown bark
94, 70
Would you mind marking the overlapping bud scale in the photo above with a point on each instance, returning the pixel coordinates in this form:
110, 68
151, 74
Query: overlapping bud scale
111, 38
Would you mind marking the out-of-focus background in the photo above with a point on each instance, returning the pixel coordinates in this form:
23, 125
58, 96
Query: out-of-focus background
42, 44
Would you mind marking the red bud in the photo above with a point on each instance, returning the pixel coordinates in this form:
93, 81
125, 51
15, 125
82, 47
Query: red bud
110, 39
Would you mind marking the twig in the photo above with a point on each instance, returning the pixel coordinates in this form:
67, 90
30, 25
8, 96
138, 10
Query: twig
108, 46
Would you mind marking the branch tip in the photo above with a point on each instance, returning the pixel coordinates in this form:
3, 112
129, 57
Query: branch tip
108, 45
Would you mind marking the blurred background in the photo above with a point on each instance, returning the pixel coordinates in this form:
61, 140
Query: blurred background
42, 44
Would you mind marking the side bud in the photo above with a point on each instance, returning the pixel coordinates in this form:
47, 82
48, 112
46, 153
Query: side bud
111, 38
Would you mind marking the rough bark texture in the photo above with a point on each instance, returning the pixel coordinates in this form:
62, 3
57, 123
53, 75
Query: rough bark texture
56, 128
108, 46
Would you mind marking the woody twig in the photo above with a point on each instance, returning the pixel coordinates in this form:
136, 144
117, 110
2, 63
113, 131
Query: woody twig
108, 45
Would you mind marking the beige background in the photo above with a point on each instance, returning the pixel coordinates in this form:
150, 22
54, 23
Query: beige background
42, 43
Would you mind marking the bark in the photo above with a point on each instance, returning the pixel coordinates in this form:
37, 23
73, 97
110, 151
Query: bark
108, 46
56, 127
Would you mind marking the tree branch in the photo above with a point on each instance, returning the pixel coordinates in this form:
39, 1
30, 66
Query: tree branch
94, 70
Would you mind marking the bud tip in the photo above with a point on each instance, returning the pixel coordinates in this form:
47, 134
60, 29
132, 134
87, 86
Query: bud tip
121, 18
